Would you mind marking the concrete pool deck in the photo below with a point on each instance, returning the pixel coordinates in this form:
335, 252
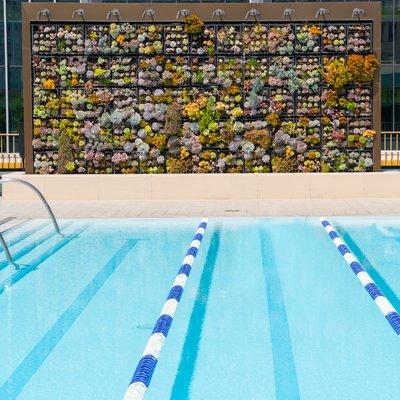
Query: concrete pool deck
188, 208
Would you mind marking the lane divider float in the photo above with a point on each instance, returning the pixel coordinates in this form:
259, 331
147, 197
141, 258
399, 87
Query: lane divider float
147, 364
384, 305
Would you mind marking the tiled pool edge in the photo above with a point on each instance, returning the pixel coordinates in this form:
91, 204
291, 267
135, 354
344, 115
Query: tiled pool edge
147, 363
386, 308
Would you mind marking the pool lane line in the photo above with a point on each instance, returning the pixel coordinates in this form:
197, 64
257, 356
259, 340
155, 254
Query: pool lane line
190, 350
32, 266
379, 280
285, 375
147, 364
384, 305
23, 373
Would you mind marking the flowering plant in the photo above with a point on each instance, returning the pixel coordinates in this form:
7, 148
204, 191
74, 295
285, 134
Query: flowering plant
359, 136
44, 39
153, 105
310, 131
334, 132
308, 74
98, 39
45, 103
193, 24
123, 71
359, 161
45, 72
70, 39
176, 39
282, 73
45, 162
229, 101
361, 68
229, 72
98, 161
149, 37
335, 72
334, 38
255, 69
124, 38
333, 160
45, 133
229, 39
308, 104
310, 161
229, 162
151, 70
71, 71
124, 163
204, 43
281, 101
176, 71
281, 39
99, 71
255, 38
361, 100
204, 70
359, 39
150, 98
206, 162
256, 100
259, 134
308, 38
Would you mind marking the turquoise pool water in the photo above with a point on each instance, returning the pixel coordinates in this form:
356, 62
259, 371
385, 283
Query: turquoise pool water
270, 311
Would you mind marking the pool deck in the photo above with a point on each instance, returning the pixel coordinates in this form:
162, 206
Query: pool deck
191, 208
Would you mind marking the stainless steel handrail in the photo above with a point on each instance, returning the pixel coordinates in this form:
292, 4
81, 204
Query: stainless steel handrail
6, 250
40, 195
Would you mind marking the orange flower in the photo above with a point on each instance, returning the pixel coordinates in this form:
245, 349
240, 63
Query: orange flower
120, 39
49, 84
369, 133
315, 30
74, 82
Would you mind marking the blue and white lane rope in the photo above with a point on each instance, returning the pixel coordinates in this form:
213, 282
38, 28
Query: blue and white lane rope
370, 286
147, 364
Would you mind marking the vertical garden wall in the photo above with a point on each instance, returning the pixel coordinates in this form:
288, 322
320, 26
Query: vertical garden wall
201, 95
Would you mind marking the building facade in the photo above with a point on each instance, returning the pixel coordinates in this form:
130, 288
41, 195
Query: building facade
11, 108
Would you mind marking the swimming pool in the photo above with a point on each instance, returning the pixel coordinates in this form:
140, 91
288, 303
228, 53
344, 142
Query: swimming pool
270, 311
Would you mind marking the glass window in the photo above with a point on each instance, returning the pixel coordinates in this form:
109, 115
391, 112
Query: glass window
387, 31
14, 41
387, 98
2, 102
15, 99
397, 31
396, 102
13, 10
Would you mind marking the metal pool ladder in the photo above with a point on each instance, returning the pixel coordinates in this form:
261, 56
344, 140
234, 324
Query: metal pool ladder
43, 200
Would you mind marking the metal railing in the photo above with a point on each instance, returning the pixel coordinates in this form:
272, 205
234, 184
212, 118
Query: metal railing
390, 149
10, 158
9, 142
45, 203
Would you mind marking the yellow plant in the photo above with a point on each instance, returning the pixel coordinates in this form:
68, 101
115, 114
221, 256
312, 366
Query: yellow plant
369, 133
49, 84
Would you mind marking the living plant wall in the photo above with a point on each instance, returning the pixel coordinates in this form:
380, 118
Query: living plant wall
195, 97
